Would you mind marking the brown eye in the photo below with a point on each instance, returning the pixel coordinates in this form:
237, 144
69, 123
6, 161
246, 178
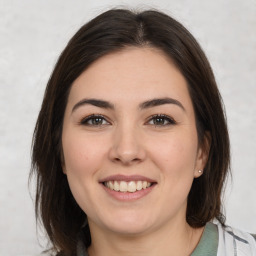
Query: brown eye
94, 120
161, 120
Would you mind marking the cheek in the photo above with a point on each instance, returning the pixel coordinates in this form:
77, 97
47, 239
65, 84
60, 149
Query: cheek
81, 154
82, 161
175, 152
176, 158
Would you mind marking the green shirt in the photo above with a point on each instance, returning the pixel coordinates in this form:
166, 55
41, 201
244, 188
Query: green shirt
207, 246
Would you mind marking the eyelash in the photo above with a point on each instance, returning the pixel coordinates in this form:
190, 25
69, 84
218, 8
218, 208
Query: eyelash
85, 120
94, 117
170, 120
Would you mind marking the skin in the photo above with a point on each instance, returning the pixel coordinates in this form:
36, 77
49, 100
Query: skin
128, 142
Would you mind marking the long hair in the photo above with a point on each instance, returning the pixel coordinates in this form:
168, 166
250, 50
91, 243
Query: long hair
112, 31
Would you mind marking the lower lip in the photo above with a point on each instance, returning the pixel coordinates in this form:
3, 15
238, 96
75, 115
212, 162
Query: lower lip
128, 196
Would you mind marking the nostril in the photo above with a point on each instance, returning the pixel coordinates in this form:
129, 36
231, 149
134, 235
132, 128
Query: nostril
127, 161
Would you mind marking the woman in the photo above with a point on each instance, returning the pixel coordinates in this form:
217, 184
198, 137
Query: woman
131, 148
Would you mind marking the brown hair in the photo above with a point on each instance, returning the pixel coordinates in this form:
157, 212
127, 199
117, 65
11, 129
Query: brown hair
111, 31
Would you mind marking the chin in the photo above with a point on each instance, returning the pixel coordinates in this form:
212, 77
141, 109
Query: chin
128, 224
129, 230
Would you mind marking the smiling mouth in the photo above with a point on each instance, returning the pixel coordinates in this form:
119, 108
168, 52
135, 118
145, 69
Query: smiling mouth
130, 186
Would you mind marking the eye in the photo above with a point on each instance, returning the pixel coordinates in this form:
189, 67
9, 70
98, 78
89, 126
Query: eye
161, 120
94, 120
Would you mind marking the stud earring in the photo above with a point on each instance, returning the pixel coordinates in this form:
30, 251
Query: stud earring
200, 171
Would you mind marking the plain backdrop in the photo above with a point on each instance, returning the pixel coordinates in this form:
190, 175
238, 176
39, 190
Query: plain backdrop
32, 35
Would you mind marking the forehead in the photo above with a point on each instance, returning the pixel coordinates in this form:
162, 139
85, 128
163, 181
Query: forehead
131, 75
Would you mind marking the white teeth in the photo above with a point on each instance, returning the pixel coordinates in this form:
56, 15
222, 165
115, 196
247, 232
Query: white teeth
124, 186
144, 184
111, 185
131, 186
139, 185
116, 186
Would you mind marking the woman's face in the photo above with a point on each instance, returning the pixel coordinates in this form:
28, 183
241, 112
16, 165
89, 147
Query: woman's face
129, 125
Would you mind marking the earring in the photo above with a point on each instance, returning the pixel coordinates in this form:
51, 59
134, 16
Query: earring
200, 171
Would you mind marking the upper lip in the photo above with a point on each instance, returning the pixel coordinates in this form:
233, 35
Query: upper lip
120, 177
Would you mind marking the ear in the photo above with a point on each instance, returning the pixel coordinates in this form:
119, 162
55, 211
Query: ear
63, 162
202, 155
64, 169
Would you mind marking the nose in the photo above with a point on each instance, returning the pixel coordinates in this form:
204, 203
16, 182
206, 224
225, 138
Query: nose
127, 146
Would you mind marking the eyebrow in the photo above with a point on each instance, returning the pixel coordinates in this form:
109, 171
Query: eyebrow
94, 102
161, 101
145, 105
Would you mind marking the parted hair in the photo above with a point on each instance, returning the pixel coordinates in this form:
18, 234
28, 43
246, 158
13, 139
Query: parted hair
56, 209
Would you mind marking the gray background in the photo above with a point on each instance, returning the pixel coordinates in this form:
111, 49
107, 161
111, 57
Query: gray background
32, 35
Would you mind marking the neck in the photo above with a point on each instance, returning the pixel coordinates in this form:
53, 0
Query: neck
179, 239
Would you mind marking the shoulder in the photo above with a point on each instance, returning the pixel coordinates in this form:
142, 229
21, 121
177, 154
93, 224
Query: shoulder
233, 241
